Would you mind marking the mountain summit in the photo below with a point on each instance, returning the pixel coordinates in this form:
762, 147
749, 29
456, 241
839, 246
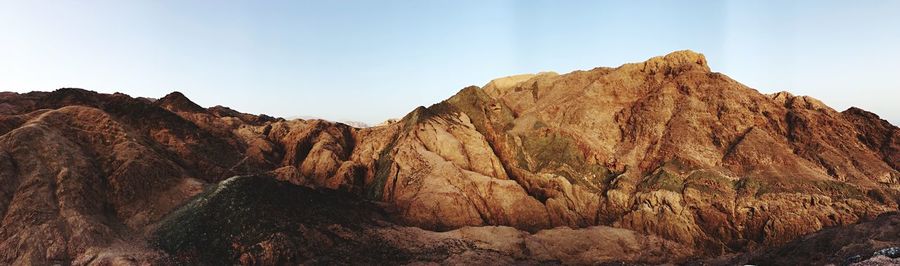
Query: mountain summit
676, 61
178, 102
664, 152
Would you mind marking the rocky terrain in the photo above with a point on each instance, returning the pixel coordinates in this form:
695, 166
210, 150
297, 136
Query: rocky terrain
874, 242
258, 220
650, 162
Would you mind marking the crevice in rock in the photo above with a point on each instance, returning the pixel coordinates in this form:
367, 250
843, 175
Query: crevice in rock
735, 142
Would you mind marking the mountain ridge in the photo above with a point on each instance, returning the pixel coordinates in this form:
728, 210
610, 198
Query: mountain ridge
665, 148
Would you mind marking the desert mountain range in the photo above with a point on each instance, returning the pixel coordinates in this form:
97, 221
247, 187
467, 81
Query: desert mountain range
651, 162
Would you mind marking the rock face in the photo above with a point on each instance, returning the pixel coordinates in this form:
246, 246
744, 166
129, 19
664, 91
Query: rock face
662, 151
861, 243
663, 147
257, 220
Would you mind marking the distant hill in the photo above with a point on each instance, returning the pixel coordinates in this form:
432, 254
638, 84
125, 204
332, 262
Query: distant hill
355, 124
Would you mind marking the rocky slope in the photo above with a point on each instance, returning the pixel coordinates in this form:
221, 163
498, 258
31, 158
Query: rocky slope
662, 150
258, 220
663, 147
861, 243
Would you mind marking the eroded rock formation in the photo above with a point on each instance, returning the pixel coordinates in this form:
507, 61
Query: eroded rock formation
664, 147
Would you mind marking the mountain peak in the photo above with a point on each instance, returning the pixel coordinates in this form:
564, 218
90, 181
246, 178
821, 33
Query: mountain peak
686, 57
675, 62
177, 102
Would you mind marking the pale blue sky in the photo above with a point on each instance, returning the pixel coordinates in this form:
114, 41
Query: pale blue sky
372, 60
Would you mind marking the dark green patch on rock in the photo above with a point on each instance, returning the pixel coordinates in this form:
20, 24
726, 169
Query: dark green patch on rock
254, 216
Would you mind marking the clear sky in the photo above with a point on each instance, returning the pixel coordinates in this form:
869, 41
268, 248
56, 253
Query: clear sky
372, 60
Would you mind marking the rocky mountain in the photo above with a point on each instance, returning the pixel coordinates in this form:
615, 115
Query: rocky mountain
650, 162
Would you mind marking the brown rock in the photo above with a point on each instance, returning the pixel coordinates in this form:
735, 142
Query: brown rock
665, 147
